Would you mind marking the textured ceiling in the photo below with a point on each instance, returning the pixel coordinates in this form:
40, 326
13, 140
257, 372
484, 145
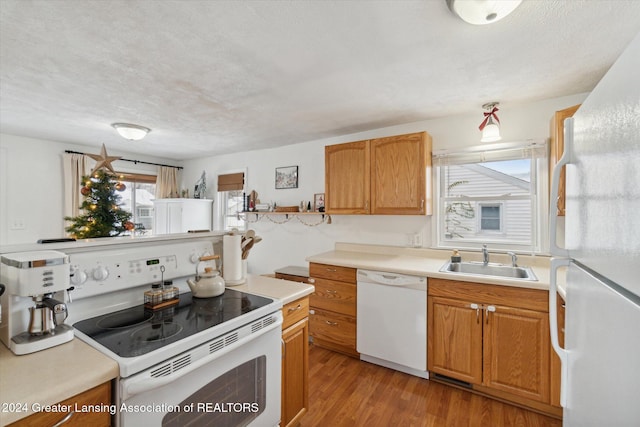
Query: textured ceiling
213, 77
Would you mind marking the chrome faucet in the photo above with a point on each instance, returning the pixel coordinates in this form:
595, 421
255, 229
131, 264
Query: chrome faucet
514, 259
485, 255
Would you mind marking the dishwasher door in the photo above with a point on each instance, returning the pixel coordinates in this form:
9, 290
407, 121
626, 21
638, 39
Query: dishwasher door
392, 321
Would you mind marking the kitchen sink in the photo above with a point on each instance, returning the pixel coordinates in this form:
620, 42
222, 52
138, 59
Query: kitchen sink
471, 268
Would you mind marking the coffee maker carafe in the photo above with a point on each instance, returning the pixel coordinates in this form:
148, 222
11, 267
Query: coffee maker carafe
32, 316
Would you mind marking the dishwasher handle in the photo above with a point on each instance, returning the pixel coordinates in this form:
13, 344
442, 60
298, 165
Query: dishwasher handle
390, 279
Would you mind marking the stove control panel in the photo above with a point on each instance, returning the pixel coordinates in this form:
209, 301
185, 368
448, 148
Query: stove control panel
109, 270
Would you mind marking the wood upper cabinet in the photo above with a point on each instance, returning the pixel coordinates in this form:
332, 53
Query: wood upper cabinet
495, 338
383, 176
400, 167
347, 170
556, 150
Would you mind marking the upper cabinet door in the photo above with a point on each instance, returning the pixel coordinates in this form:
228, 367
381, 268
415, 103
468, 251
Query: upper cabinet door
557, 148
347, 170
400, 168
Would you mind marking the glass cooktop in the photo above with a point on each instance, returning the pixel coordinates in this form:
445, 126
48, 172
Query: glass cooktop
139, 330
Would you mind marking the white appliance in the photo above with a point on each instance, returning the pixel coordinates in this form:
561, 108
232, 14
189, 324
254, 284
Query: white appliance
601, 354
203, 361
182, 215
392, 321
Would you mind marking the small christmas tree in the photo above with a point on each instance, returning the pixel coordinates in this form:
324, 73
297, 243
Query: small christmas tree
102, 214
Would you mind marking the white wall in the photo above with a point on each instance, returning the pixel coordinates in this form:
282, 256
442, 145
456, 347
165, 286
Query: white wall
33, 195
31, 180
290, 243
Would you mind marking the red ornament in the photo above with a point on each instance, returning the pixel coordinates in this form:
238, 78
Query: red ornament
85, 191
129, 225
120, 186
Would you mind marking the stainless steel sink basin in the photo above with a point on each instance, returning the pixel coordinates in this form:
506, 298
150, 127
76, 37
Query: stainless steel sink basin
471, 268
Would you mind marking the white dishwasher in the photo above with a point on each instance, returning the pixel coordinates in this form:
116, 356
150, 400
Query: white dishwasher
392, 321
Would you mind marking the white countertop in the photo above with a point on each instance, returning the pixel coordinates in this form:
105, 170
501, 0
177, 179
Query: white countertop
284, 290
50, 376
427, 263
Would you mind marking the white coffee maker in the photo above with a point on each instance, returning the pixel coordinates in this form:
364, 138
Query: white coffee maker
32, 317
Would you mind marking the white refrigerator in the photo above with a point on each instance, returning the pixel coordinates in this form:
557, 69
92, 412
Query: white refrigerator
601, 253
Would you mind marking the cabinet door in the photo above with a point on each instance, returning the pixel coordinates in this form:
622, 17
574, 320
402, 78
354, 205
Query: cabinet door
557, 148
347, 169
295, 373
516, 352
454, 339
399, 174
556, 366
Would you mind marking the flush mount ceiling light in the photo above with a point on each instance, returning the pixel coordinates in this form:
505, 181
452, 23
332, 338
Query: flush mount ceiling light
489, 128
481, 12
131, 132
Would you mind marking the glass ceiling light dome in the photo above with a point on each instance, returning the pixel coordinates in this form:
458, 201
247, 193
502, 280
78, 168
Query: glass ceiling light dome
482, 12
489, 127
131, 132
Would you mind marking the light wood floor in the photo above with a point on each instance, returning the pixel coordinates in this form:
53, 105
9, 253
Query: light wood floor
344, 391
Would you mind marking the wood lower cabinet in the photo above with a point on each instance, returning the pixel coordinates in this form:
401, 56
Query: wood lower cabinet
555, 360
295, 362
494, 338
332, 317
382, 176
100, 395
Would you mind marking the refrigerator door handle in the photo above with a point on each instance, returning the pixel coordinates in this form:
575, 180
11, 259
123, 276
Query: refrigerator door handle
555, 181
562, 353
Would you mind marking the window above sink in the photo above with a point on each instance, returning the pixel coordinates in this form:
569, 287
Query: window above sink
492, 195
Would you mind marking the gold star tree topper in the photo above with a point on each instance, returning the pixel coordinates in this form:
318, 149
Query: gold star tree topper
103, 160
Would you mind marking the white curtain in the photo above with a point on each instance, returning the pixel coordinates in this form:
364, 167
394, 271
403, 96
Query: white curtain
74, 168
167, 182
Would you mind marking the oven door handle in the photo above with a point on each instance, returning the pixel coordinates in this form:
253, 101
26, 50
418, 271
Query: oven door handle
133, 386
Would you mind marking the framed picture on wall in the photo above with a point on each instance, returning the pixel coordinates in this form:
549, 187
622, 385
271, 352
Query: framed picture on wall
318, 202
287, 177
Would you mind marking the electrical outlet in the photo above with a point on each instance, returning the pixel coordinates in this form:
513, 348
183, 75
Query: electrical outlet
417, 240
17, 224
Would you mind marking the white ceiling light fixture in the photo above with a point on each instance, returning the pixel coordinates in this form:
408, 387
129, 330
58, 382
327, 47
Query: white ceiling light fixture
482, 12
131, 132
489, 127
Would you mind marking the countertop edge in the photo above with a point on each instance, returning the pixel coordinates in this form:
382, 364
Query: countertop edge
95, 368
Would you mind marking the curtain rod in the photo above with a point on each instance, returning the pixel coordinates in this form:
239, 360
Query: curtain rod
129, 160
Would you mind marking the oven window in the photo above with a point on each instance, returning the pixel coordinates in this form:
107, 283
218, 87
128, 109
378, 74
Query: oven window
234, 398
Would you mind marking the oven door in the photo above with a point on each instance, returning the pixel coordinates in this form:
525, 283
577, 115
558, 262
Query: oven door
237, 383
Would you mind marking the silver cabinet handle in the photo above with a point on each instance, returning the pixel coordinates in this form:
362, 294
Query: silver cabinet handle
299, 307
331, 291
65, 419
490, 308
331, 270
476, 307
331, 323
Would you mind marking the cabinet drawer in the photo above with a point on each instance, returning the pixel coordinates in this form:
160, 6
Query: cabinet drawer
332, 272
292, 278
100, 395
294, 312
334, 328
334, 296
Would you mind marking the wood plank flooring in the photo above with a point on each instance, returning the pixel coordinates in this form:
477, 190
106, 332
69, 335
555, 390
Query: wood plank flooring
346, 392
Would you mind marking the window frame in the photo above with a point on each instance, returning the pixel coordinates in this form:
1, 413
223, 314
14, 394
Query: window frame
538, 194
222, 202
138, 178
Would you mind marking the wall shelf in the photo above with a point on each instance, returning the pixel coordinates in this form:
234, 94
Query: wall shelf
283, 217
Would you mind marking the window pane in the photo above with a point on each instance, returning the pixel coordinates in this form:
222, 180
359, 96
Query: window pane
488, 179
234, 204
138, 198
